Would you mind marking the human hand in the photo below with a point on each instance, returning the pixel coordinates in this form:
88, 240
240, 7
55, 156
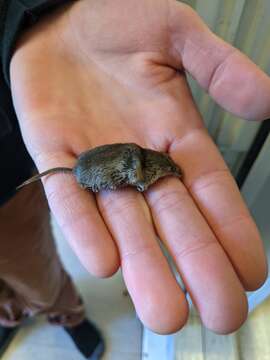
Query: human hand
100, 72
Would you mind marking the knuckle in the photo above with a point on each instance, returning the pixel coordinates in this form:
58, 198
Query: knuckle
128, 255
170, 199
242, 220
208, 179
199, 245
113, 205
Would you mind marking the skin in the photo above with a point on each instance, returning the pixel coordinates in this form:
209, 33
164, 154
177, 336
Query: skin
100, 84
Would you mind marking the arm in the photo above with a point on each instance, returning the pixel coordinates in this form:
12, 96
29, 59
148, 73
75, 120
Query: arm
99, 84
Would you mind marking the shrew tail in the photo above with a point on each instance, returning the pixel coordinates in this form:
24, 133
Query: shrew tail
47, 172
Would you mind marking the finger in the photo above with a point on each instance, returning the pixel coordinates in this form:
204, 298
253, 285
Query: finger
235, 83
159, 301
219, 200
202, 263
76, 212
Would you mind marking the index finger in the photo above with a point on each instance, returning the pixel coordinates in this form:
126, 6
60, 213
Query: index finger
216, 194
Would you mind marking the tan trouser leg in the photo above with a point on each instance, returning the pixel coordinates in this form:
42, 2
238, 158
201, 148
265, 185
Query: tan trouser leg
32, 279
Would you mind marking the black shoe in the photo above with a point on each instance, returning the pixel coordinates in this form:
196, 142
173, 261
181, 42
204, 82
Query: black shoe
6, 336
87, 339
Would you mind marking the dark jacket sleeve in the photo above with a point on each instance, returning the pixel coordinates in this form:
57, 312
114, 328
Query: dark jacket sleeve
16, 16
15, 162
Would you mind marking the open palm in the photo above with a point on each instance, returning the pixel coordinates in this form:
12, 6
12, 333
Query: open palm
99, 72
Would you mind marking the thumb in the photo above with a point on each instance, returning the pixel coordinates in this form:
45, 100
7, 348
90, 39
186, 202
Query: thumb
233, 81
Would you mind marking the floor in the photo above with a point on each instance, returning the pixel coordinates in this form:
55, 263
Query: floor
114, 314
251, 342
106, 306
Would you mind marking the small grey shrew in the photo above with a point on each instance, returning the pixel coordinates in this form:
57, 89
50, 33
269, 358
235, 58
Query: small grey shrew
110, 167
